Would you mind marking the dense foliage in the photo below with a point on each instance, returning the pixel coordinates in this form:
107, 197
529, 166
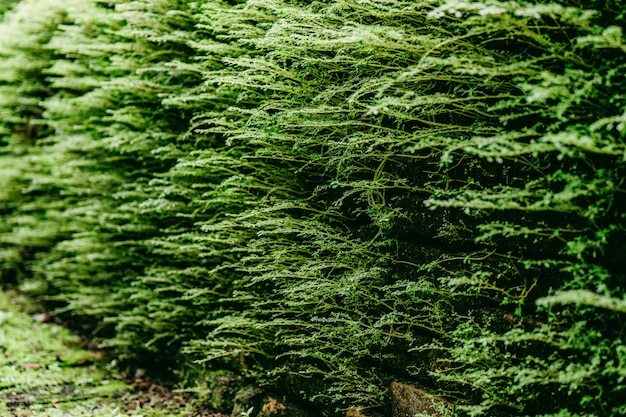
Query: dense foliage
329, 196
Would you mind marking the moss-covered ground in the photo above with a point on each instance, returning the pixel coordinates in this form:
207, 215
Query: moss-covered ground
45, 370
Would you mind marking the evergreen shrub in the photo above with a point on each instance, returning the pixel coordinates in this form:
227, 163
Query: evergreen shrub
326, 197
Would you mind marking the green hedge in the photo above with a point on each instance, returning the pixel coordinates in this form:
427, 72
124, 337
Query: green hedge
329, 196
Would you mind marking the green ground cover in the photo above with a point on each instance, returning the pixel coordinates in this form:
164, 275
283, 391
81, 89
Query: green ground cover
45, 371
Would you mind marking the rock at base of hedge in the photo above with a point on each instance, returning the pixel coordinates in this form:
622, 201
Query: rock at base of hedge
408, 401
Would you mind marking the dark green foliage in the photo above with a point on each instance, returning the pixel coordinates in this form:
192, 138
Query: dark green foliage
329, 196
6, 5
551, 213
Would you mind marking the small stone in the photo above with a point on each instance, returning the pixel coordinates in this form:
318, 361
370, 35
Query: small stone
408, 401
140, 373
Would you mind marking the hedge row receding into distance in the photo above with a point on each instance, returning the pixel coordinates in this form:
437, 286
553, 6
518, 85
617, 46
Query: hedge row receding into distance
326, 197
